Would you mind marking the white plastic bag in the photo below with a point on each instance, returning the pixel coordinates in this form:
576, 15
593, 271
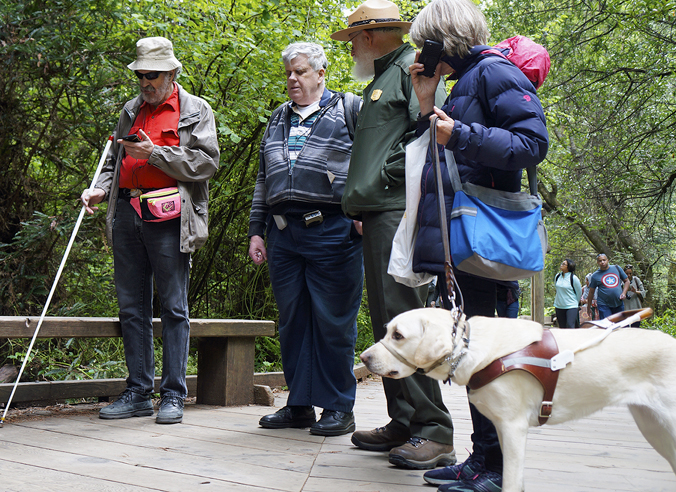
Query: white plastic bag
401, 258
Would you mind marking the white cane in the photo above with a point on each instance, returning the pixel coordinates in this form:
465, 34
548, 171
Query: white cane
56, 281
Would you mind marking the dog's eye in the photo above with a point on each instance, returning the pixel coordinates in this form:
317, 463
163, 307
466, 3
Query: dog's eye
397, 336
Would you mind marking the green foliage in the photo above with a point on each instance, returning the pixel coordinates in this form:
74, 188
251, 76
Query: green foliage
608, 178
364, 330
665, 322
68, 359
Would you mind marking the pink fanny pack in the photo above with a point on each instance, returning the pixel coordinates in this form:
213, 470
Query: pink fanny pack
158, 205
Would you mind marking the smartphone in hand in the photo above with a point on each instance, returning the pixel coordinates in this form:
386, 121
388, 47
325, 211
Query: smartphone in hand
430, 56
131, 138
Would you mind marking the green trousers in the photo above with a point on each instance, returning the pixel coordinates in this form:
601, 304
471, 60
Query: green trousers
414, 402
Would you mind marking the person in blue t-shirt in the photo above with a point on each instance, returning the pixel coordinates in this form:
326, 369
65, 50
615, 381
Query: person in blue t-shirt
568, 293
612, 284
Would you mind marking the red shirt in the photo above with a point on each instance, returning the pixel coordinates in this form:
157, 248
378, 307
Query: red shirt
161, 126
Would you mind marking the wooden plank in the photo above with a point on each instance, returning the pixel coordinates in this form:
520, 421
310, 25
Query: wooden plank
61, 327
63, 390
20, 477
277, 380
49, 391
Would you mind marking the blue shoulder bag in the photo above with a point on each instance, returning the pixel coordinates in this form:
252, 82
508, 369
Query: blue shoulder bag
493, 234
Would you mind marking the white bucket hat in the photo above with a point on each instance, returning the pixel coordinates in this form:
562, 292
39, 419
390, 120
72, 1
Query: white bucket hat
155, 54
372, 14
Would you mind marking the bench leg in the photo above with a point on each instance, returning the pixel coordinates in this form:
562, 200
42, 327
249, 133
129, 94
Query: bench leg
225, 370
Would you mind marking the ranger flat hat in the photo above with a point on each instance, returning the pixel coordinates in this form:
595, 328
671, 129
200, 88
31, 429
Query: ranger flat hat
372, 14
156, 54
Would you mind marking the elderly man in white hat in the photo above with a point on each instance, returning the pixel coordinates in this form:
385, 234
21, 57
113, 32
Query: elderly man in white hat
166, 149
420, 432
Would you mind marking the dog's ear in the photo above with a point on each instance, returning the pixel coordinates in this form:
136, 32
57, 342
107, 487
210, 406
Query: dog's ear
435, 343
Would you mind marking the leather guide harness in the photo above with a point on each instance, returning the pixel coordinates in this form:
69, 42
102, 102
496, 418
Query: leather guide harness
535, 359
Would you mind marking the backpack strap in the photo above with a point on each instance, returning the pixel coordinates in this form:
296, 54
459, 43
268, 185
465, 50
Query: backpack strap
352, 105
274, 114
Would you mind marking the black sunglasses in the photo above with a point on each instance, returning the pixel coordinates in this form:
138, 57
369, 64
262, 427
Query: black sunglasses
148, 76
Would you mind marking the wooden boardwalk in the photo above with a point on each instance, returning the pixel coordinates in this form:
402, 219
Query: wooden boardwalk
223, 448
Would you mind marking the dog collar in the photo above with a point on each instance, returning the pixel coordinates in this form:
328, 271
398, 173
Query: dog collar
445, 359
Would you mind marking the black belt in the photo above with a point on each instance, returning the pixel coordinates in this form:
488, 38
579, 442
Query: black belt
128, 193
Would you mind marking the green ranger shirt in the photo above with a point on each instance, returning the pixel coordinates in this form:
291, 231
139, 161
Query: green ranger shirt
386, 124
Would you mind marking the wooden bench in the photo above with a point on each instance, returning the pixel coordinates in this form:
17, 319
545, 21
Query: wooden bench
225, 358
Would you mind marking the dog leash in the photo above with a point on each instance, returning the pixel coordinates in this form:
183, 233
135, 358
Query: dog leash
451, 282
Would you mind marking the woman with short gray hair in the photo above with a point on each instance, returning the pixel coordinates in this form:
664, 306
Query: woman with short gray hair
494, 125
457, 25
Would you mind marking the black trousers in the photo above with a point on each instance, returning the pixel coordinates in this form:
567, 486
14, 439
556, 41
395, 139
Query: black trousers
479, 296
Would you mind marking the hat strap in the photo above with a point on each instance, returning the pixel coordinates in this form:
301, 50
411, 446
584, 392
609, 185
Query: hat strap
371, 21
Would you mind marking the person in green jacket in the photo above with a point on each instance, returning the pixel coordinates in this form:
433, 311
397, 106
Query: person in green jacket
420, 432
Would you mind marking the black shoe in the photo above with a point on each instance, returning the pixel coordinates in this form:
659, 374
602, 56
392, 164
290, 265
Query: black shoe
128, 404
170, 410
289, 417
333, 423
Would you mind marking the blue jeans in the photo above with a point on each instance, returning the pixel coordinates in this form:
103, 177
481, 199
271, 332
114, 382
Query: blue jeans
317, 278
507, 310
143, 250
605, 311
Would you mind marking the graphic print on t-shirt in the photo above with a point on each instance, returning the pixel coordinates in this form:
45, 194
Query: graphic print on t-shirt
610, 280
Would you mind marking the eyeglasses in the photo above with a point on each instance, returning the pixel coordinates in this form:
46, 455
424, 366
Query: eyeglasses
346, 44
148, 76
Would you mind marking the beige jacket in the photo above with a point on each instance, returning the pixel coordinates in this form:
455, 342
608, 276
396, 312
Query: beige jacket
192, 164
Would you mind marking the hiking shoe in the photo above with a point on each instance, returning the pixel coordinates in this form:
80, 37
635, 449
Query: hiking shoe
289, 417
380, 439
422, 454
170, 410
128, 404
333, 423
486, 481
450, 474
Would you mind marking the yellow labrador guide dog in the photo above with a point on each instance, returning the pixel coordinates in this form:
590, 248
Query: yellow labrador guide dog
596, 368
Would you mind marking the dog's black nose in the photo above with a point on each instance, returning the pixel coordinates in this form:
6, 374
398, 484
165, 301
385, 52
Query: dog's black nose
364, 357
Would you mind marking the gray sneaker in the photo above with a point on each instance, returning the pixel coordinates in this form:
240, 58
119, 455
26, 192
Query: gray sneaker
170, 410
128, 404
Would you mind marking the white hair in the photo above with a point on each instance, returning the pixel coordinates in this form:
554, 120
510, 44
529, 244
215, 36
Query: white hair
314, 52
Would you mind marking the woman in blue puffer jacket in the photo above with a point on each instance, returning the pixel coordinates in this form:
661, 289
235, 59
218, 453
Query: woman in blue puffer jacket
494, 124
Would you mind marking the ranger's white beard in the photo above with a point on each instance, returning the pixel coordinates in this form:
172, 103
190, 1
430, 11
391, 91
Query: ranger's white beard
364, 69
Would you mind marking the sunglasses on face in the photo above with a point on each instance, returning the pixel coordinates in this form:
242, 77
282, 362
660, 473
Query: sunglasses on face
148, 76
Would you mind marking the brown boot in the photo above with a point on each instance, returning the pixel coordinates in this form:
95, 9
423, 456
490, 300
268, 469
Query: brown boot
380, 439
422, 454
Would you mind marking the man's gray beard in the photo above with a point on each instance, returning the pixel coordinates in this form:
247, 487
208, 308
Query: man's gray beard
363, 69
152, 98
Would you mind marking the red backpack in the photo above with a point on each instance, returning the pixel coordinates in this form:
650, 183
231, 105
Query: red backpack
531, 58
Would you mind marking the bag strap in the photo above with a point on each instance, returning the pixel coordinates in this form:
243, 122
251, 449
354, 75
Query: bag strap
532, 180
